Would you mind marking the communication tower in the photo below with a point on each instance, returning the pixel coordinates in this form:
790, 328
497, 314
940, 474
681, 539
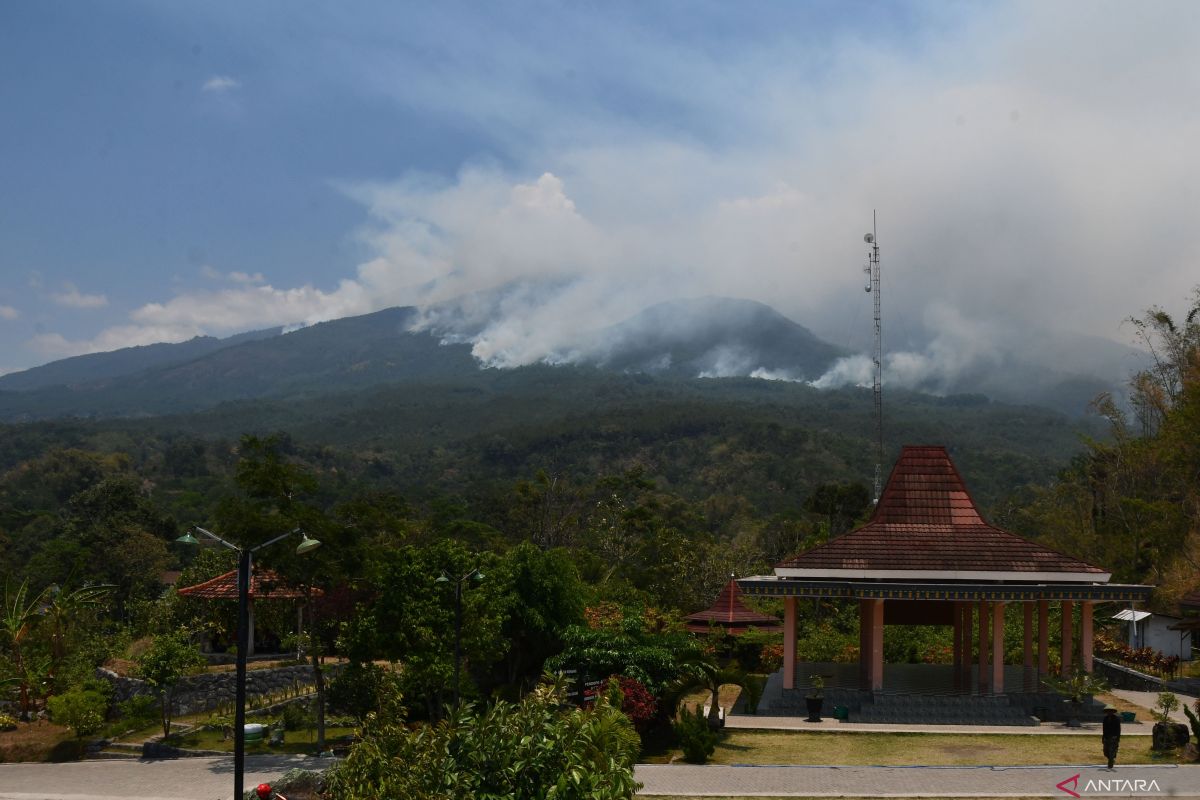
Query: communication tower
872, 270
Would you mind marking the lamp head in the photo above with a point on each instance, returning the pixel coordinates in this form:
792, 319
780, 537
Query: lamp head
306, 545
187, 538
442, 579
477, 576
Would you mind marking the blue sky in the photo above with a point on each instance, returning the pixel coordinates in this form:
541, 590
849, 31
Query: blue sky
169, 169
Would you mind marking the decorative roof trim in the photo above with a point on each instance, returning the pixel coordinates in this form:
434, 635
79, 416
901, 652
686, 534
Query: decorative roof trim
941, 575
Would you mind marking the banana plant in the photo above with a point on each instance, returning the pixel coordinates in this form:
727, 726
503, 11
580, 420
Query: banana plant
17, 618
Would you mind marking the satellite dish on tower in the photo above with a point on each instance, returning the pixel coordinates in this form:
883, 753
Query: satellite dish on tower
869, 238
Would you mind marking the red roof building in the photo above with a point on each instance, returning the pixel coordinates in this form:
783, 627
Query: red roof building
927, 556
730, 615
264, 585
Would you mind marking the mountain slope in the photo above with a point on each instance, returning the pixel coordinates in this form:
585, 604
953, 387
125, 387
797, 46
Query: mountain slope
714, 337
95, 367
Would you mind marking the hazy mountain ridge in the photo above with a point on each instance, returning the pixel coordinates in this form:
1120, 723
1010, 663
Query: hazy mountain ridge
707, 337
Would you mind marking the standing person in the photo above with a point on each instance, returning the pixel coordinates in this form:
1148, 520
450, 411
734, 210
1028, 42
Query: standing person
1111, 734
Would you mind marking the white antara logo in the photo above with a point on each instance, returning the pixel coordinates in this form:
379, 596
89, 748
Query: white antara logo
1107, 785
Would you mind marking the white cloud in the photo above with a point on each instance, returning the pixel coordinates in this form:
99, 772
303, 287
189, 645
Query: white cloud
71, 297
1026, 168
219, 84
214, 274
8, 313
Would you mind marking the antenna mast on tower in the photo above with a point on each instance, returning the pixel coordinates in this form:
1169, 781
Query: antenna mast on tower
872, 270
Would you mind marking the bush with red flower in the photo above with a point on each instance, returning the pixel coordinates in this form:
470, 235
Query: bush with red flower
637, 703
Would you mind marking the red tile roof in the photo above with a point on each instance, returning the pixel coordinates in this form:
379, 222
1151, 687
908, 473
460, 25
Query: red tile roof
731, 614
926, 521
264, 585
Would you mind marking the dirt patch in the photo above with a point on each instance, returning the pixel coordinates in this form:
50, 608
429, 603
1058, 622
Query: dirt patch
40, 741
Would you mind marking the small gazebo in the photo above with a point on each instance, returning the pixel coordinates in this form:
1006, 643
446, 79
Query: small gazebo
729, 615
928, 557
264, 585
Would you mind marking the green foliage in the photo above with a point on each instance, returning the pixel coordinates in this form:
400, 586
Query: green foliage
138, 712
653, 658
1167, 702
169, 659
537, 748
7, 722
1078, 687
361, 689
696, 738
1193, 721
295, 717
80, 710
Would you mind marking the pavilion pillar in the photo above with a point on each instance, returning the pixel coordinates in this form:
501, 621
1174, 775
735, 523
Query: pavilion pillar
789, 642
1068, 636
998, 647
1027, 649
983, 646
1043, 660
864, 644
876, 645
968, 618
958, 644
1085, 635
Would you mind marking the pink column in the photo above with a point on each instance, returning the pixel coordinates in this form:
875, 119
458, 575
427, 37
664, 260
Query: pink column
998, 648
983, 646
1068, 637
967, 635
957, 638
876, 644
1085, 635
1027, 651
789, 642
1043, 638
864, 644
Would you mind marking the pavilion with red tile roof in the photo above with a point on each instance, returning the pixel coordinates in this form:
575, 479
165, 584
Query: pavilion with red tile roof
927, 556
730, 615
264, 585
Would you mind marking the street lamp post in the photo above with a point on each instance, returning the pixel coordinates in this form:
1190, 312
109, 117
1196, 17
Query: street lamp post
243, 637
473, 575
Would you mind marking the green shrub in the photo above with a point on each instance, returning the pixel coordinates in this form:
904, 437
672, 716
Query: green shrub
531, 750
8, 722
139, 711
81, 711
696, 738
362, 689
294, 717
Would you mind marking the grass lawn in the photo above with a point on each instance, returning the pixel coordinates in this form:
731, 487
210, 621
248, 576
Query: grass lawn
294, 741
934, 749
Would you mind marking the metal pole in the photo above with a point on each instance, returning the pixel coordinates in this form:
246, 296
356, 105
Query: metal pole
457, 637
239, 724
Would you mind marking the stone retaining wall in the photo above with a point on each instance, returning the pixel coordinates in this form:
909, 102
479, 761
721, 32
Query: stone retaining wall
211, 690
1122, 677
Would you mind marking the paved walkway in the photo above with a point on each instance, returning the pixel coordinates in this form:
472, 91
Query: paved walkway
827, 725
781, 781
134, 779
1150, 700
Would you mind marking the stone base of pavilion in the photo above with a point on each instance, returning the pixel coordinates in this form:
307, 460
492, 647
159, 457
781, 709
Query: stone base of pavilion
922, 694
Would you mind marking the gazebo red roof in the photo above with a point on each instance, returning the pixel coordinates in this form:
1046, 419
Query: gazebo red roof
264, 585
731, 614
926, 524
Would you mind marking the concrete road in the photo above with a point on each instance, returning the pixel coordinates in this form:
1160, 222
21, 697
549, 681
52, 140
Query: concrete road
171, 779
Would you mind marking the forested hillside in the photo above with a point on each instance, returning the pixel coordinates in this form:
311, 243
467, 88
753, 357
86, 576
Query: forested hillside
1132, 500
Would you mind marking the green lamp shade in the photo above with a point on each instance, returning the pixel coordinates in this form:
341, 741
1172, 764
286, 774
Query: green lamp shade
442, 579
478, 576
187, 538
307, 545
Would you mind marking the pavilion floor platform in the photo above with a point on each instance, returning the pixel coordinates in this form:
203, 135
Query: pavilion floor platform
920, 694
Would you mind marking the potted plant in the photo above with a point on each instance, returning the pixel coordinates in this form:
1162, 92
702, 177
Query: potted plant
1075, 691
815, 697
